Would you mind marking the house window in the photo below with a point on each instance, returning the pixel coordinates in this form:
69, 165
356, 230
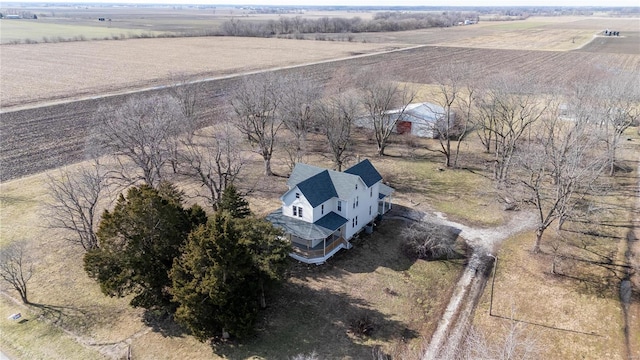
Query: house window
322, 209
371, 192
353, 223
339, 205
297, 195
369, 210
299, 212
356, 220
356, 186
295, 211
357, 201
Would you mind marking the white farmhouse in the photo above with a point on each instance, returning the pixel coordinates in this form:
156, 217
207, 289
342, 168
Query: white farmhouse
324, 209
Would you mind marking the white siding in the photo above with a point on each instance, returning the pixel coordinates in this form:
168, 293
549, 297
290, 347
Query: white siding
329, 206
366, 198
289, 200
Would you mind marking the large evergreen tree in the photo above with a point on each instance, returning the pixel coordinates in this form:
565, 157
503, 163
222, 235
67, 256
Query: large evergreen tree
219, 280
138, 241
234, 203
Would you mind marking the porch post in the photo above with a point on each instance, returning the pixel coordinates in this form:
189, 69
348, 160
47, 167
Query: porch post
324, 249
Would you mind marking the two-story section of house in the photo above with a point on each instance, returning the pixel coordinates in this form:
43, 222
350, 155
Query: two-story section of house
324, 209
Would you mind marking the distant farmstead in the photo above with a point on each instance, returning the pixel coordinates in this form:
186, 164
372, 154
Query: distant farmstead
420, 119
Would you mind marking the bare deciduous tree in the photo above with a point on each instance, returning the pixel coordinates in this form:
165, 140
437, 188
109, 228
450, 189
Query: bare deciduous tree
449, 93
213, 156
617, 99
15, 268
509, 106
297, 112
187, 91
515, 341
560, 167
76, 197
143, 131
385, 103
336, 116
256, 103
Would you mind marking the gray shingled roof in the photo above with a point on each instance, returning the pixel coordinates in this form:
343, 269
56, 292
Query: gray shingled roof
305, 230
366, 171
302, 172
344, 183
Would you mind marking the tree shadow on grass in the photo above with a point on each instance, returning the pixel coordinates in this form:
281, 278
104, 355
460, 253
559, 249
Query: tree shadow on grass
77, 319
301, 320
163, 323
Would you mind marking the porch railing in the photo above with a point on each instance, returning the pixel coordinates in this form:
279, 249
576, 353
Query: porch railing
316, 253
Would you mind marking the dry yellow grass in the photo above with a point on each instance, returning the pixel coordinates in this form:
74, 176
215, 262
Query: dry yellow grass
576, 315
566, 321
51, 71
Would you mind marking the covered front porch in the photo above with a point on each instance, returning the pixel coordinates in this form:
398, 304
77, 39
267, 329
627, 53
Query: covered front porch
303, 249
312, 243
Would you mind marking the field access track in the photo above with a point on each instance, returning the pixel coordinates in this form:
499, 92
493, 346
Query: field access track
38, 139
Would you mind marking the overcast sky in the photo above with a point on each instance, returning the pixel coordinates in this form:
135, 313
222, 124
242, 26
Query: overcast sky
634, 3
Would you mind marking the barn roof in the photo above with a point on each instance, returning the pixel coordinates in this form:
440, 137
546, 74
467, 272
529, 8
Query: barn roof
420, 112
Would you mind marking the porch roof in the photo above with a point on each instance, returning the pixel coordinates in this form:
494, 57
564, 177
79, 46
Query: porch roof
385, 191
321, 229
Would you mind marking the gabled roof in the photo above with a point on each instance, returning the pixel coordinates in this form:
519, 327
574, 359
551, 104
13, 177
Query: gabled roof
331, 221
318, 188
319, 185
366, 171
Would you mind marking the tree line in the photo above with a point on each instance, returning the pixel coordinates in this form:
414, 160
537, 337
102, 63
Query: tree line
383, 21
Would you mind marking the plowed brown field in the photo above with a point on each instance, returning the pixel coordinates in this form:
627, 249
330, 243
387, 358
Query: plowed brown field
42, 138
41, 72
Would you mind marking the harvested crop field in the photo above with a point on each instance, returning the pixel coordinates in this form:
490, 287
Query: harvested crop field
42, 138
41, 72
628, 43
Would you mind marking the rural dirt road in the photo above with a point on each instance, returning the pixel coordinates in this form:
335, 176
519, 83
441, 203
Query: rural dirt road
459, 312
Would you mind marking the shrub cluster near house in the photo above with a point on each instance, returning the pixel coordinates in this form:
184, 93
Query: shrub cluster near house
211, 274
